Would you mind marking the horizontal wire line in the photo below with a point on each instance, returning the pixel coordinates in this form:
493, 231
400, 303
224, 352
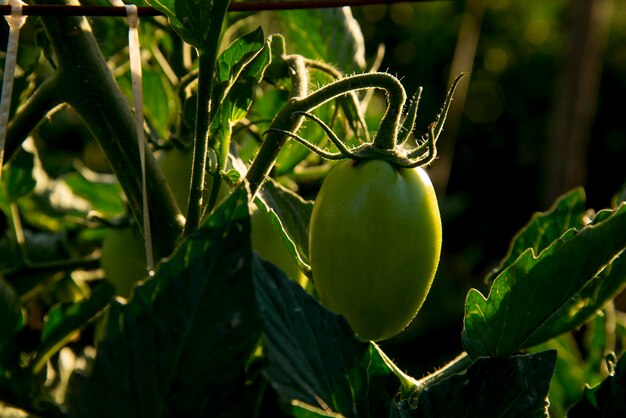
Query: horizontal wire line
250, 6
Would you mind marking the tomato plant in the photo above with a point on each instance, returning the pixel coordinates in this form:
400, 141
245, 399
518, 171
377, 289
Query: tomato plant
324, 235
375, 244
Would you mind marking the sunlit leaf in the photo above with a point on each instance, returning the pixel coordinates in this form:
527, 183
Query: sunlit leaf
103, 196
503, 323
195, 21
331, 35
290, 215
238, 88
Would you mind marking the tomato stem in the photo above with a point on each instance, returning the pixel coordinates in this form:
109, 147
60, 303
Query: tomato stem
410, 388
457, 365
285, 120
408, 384
386, 137
206, 66
353, 98
40, 104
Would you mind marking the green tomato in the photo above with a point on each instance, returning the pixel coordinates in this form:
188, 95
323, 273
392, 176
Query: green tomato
176, 167
123, 259
123, 249
267, 242
375, 242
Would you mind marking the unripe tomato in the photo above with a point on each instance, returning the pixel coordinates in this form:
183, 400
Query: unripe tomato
375, 242
123, 259
267, 242
176, 167
123, 249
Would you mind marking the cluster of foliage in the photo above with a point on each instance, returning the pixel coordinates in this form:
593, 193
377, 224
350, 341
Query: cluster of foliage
230, 324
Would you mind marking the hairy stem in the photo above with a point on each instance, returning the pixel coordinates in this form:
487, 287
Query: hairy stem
285, 120
207, 57
457, 365
206, 65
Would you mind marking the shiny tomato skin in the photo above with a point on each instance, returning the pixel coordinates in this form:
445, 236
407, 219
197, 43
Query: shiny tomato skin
375, 243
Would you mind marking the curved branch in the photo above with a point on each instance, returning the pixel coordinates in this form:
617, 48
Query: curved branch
41, 103
321, 152
329, 132
396, 97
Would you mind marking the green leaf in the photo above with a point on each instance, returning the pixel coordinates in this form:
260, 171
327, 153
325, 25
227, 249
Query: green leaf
65, 319
502, 323
103, 196
239, 70
17, 178
11, 320
179, 347
159, 98
277, 72
585, 304
234, 59
313, 357
513, 387
195, 21
238, 91
545, 227
290, 215
330, 35
605, 400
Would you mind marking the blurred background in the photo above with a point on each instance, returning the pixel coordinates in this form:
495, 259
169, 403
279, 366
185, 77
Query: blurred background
541, 113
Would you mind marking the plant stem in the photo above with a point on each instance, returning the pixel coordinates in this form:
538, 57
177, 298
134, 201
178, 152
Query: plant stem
207, 57
90, 89
206, 66
42, 102
285, 120
457, 365
410, 387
